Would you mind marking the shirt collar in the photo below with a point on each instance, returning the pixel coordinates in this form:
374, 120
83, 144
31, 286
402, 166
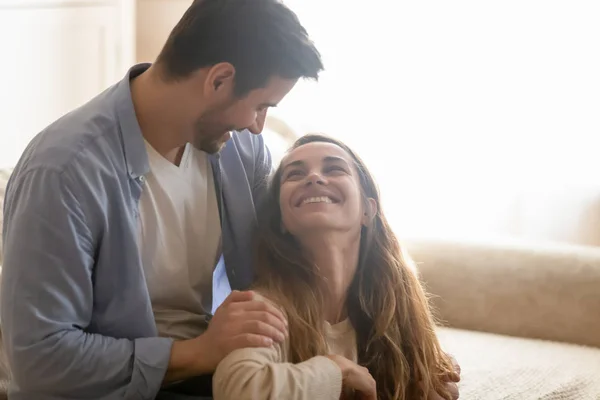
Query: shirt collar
136, 156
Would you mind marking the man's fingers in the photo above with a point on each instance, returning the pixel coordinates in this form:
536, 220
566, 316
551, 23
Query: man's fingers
371, 394
247, 301
453, 389
454, 375
250, 340
267, 318
237, 296
262, 306
451, 376
454, 363
363, 396
457, 370
367, 386
257, 327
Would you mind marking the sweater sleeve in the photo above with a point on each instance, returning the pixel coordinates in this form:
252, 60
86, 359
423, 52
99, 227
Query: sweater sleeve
263, 373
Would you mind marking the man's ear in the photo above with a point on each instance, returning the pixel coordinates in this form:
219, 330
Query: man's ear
370, 211
220, 80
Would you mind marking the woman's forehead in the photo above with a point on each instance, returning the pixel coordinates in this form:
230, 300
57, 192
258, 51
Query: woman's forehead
316, 152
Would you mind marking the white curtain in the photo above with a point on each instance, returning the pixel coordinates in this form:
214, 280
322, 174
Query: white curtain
478, 118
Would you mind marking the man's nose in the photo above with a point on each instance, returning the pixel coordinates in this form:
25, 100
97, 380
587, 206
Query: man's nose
259, 123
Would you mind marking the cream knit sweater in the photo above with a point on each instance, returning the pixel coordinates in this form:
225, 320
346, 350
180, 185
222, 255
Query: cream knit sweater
265, 373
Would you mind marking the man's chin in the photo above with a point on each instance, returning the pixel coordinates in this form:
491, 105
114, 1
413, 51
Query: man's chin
211, 148
219, 144
225, 138
215, 146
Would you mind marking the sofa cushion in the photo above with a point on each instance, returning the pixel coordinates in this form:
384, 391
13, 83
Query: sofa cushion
526, 289
504, 367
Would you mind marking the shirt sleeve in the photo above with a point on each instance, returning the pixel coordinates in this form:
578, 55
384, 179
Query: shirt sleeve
47, 300
264, 373
261, 373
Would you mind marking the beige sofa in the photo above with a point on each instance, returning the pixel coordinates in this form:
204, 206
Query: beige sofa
523, 320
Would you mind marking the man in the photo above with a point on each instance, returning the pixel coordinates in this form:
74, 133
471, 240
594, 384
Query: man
117, 214
126, 219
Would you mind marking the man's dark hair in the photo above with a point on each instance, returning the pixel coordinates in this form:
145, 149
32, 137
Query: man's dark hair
260, 38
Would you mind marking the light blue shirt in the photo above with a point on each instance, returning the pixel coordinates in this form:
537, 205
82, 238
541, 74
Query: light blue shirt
76, 317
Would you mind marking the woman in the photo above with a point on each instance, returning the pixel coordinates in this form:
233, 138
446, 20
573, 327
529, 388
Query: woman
329, 259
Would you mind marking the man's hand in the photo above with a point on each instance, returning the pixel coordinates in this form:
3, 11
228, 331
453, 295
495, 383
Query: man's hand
356, 378
243, 320
452, 378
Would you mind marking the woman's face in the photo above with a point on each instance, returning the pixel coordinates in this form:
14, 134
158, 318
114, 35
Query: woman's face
320, 191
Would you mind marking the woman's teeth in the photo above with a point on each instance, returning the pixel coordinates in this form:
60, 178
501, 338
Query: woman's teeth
321, 199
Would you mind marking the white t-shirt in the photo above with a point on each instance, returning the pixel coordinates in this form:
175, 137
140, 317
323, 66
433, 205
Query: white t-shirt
180, 240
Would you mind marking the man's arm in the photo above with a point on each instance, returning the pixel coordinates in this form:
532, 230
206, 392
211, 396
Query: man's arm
47, 300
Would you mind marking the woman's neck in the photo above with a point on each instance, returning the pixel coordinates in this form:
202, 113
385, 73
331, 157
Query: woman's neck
336, 265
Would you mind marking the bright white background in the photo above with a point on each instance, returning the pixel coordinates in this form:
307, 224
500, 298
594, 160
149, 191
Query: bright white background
477, 117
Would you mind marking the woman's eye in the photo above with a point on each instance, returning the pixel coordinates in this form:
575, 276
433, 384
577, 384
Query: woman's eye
293, 174
335, 168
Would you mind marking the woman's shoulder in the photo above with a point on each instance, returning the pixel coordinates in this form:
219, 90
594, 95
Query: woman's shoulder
279, 351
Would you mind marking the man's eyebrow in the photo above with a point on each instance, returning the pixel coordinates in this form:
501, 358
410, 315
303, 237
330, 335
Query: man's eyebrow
268, 105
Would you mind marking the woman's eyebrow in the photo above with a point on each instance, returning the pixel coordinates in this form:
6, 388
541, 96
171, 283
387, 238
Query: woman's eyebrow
297, 163
327, 159
335, 159
294, 164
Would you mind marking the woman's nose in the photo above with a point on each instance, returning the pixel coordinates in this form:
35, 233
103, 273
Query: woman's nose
315, 178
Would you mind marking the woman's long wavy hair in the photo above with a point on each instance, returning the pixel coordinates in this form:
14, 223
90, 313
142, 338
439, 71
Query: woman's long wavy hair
386, 303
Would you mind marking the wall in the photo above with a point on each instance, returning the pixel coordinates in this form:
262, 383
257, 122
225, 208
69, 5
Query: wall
57, 55
155, 20
477, 118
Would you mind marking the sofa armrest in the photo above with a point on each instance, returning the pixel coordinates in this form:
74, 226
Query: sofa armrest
547, 292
